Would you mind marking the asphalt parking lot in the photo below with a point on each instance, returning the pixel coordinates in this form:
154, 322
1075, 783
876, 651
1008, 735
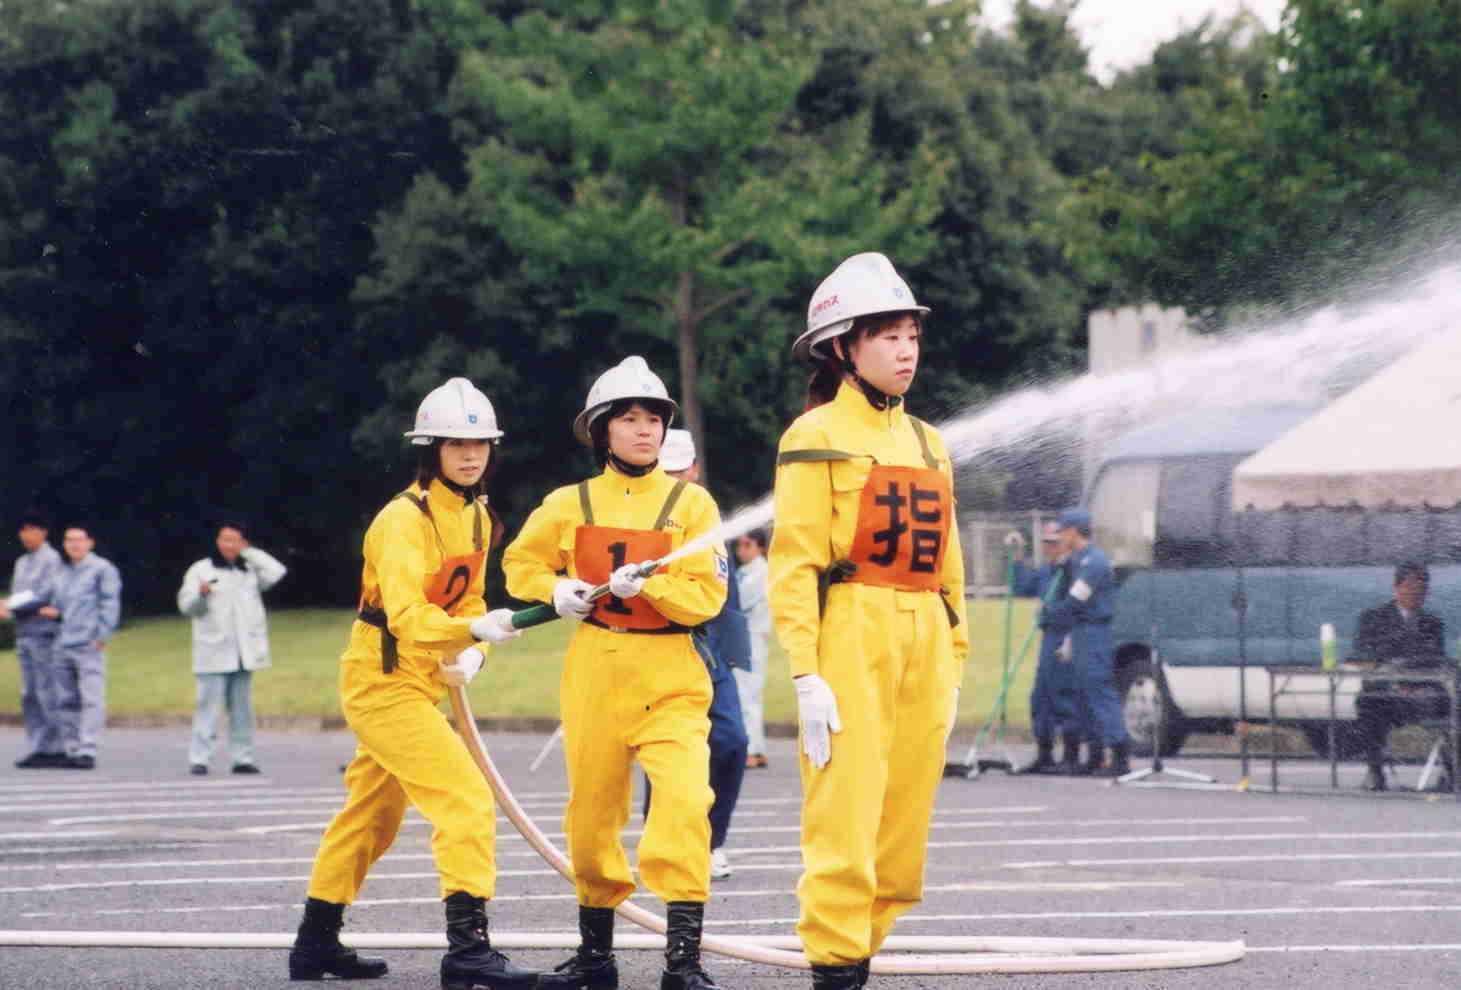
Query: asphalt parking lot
1325, 890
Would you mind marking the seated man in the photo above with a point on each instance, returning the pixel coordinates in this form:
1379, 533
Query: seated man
1399, 634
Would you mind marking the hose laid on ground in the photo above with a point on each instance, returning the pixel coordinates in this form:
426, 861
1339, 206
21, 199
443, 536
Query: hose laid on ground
953, 954
974, 954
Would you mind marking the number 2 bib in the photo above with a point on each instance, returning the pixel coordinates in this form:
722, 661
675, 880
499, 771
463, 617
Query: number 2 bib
449, 585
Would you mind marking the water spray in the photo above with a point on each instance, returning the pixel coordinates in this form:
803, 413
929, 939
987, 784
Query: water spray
1304, 360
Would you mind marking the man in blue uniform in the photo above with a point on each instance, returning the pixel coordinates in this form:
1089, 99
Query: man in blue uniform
1053, 697
1088, 604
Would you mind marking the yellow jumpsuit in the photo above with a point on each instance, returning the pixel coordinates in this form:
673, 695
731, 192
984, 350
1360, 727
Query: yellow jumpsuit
629, 695
893, 658
407, 750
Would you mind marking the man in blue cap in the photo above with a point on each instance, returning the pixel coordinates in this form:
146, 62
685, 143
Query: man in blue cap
1053, 696
1088, 606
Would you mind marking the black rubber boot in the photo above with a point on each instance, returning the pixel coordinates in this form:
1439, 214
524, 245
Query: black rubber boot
470, 962
1044, 761
1120, 764
684, 921
592, 967
1070, 756
1095, 760
317, 951
839, 977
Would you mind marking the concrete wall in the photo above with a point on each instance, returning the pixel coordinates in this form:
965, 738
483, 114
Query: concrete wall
1126, 338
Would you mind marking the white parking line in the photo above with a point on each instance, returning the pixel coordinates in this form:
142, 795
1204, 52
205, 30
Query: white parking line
1043, 864
569, 895
1410, 882
1113, 915
260, 785
937, 826
35, 802
111, 865
95, 847
1441, 947
32, 836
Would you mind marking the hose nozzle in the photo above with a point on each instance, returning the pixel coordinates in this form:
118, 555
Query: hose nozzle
537, 615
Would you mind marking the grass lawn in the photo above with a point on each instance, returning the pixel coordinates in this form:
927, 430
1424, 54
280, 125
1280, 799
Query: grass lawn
149, 669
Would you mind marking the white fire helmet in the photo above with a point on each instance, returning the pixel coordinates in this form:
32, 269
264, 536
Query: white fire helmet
629, 379
456, 411
678, 452
863, 285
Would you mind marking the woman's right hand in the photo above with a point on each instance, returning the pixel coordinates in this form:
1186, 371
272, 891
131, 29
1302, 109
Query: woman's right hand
570, 599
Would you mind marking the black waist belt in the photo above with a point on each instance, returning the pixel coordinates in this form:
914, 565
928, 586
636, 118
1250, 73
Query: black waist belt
377, 617
671, 630
843, 571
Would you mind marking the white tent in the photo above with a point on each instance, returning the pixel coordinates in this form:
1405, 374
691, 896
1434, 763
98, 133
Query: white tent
1393, 441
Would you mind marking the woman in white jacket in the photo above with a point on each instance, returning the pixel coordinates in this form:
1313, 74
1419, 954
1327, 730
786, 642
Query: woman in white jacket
751, 584
223, 595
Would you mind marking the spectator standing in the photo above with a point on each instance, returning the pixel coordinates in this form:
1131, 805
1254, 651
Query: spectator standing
223, 595
89, 604
751, 585
33, 588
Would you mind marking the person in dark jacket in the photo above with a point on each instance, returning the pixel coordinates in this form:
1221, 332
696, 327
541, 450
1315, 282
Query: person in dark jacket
1053, 697
1402, 634
727, 640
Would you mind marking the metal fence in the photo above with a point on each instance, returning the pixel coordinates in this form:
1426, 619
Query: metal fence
984, 546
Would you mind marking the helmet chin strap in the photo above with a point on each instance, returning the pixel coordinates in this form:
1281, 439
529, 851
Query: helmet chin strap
876, 397
631, 470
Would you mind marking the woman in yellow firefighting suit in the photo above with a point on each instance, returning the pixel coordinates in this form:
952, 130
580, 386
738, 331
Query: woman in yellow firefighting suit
867, 596
634, 685
421, 616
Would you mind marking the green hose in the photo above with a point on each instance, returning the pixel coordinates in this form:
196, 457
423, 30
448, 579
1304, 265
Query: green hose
537, 615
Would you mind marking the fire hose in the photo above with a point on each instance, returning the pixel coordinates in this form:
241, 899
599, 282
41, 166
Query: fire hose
943, 955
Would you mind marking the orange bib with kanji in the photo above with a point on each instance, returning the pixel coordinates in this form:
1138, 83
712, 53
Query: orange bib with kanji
599, 551
903, 521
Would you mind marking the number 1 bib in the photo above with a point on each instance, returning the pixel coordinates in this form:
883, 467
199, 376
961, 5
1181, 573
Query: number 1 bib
598, 551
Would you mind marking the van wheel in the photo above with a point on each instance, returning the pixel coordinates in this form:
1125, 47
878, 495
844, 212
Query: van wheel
1143, 705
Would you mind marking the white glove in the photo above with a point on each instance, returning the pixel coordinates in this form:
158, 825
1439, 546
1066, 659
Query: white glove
816, 708
460, 671
1063, 651
20, 600
569, 599
953, 717
626, 582
495, 626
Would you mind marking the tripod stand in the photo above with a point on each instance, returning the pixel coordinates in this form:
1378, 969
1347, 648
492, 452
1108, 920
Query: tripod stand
1159, 739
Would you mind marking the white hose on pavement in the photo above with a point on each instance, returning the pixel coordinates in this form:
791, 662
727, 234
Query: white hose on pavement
942, 954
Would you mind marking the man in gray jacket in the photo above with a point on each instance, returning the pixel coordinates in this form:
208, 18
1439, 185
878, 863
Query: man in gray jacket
32, 589
223, 595
89, 605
